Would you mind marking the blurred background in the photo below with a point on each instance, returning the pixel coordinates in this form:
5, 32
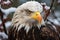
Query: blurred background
8, 7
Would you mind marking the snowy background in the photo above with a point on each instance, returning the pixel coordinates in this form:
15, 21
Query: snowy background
8, 8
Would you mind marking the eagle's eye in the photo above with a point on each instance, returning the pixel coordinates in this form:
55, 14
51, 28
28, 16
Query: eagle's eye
28, 12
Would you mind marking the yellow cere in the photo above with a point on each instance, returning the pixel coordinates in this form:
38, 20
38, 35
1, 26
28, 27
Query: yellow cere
37, 16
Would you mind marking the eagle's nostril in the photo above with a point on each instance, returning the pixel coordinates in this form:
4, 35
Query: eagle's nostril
36, 14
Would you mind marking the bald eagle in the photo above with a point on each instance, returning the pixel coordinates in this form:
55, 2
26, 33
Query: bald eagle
27, 15
27, 22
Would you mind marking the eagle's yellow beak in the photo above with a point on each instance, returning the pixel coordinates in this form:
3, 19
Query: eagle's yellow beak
37, 16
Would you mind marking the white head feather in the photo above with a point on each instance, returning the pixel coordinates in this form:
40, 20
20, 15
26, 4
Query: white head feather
30, 5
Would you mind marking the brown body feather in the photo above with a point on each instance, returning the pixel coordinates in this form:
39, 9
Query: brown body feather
44, 33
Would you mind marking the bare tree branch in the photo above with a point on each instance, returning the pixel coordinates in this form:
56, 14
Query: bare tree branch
3, 21
48, 11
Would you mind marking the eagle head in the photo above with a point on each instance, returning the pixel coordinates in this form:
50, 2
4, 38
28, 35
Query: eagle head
28, 15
